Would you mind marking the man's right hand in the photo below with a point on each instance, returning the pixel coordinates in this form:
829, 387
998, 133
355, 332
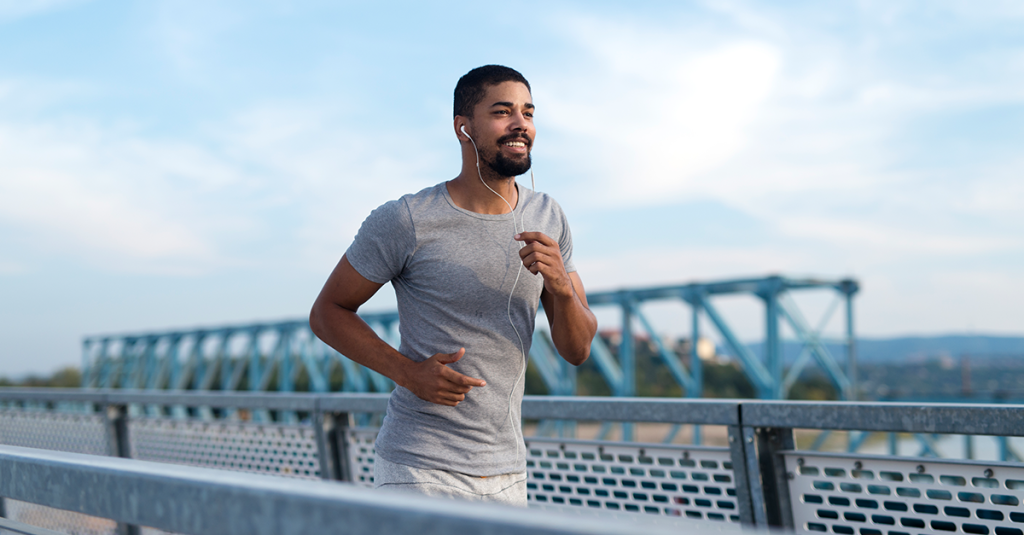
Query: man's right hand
432, 380
334, 320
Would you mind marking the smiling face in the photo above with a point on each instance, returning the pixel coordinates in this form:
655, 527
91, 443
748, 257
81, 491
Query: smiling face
502, 127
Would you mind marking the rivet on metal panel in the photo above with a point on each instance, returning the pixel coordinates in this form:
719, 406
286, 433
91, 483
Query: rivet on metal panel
858, 465
920, 469
750, 440
790, 475
800, 461
989, 473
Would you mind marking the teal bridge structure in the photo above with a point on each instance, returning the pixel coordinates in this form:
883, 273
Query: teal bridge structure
278, 356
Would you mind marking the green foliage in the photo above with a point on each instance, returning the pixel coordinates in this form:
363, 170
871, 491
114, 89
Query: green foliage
534, 382
815, 387
726, 380
590, 382
67, 377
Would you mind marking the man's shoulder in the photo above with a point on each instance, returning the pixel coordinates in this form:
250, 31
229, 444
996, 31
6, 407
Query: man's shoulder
544, 203
409, 203
427, 197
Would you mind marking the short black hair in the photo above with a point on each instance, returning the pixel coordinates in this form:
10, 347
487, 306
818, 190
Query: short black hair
472, 86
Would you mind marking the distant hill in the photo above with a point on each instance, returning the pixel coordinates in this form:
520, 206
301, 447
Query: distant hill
916, 348
978, 347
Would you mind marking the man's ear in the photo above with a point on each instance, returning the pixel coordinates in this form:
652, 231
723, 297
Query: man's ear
462, 129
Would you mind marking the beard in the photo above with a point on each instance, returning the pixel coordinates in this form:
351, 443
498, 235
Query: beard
508, 167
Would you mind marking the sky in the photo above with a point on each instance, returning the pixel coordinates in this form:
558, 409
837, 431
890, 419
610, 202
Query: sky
175, 164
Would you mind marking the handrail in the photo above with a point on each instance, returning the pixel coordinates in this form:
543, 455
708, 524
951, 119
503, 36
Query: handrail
200, 501
238, 400
951, 418
664, 410
667, 410
353, 402
87, 395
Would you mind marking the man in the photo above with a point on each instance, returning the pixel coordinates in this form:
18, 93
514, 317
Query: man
469, 259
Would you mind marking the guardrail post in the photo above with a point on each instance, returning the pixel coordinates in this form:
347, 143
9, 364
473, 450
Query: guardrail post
741, 479
332, 445
116, 420
766, 471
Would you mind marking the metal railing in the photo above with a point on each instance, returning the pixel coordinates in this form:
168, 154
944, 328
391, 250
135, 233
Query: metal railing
324, 443
202, 501
759, 479
841, 493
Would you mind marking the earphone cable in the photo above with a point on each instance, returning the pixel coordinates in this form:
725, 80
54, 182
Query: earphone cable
508, 310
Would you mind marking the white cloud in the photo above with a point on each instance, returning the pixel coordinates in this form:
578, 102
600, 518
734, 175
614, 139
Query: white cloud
11, 268
288, 182
659, 109
943, 300
887, 240
820, 152
333, 174
103, 197
996, 193
659, 265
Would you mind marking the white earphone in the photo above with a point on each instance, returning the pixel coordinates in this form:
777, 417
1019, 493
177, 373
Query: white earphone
522, 346
533, 183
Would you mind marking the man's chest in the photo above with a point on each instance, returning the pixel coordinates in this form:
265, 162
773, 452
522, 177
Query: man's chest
470, 265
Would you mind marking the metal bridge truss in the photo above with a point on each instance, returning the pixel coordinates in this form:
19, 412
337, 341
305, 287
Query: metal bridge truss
278, 356
256, 357
768, 376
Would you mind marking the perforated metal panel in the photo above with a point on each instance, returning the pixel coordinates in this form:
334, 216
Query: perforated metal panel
276, 449
689, 481
75, 433
361, 454
71, 432
59, 520
884, 495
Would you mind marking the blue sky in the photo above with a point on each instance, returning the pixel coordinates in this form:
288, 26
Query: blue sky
169, 164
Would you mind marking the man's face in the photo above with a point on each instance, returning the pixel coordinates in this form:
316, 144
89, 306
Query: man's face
503, 129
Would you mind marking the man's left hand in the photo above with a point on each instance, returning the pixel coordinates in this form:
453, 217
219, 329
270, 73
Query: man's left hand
542, 255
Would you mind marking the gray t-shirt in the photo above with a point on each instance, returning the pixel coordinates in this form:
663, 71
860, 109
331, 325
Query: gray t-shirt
453, 271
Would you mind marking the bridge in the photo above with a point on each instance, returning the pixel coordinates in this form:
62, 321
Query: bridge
761, 475
224, 400
265, 356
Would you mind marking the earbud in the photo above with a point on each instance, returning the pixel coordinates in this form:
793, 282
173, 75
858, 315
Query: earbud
533, 183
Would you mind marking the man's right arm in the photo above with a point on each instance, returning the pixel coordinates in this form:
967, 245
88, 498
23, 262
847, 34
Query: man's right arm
334, 320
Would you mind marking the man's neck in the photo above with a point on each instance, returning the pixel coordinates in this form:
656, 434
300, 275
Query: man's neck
469, 192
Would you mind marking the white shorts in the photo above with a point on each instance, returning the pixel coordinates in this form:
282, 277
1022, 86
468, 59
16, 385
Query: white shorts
506, 489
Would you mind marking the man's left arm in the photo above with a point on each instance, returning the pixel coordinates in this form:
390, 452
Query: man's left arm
573, 325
